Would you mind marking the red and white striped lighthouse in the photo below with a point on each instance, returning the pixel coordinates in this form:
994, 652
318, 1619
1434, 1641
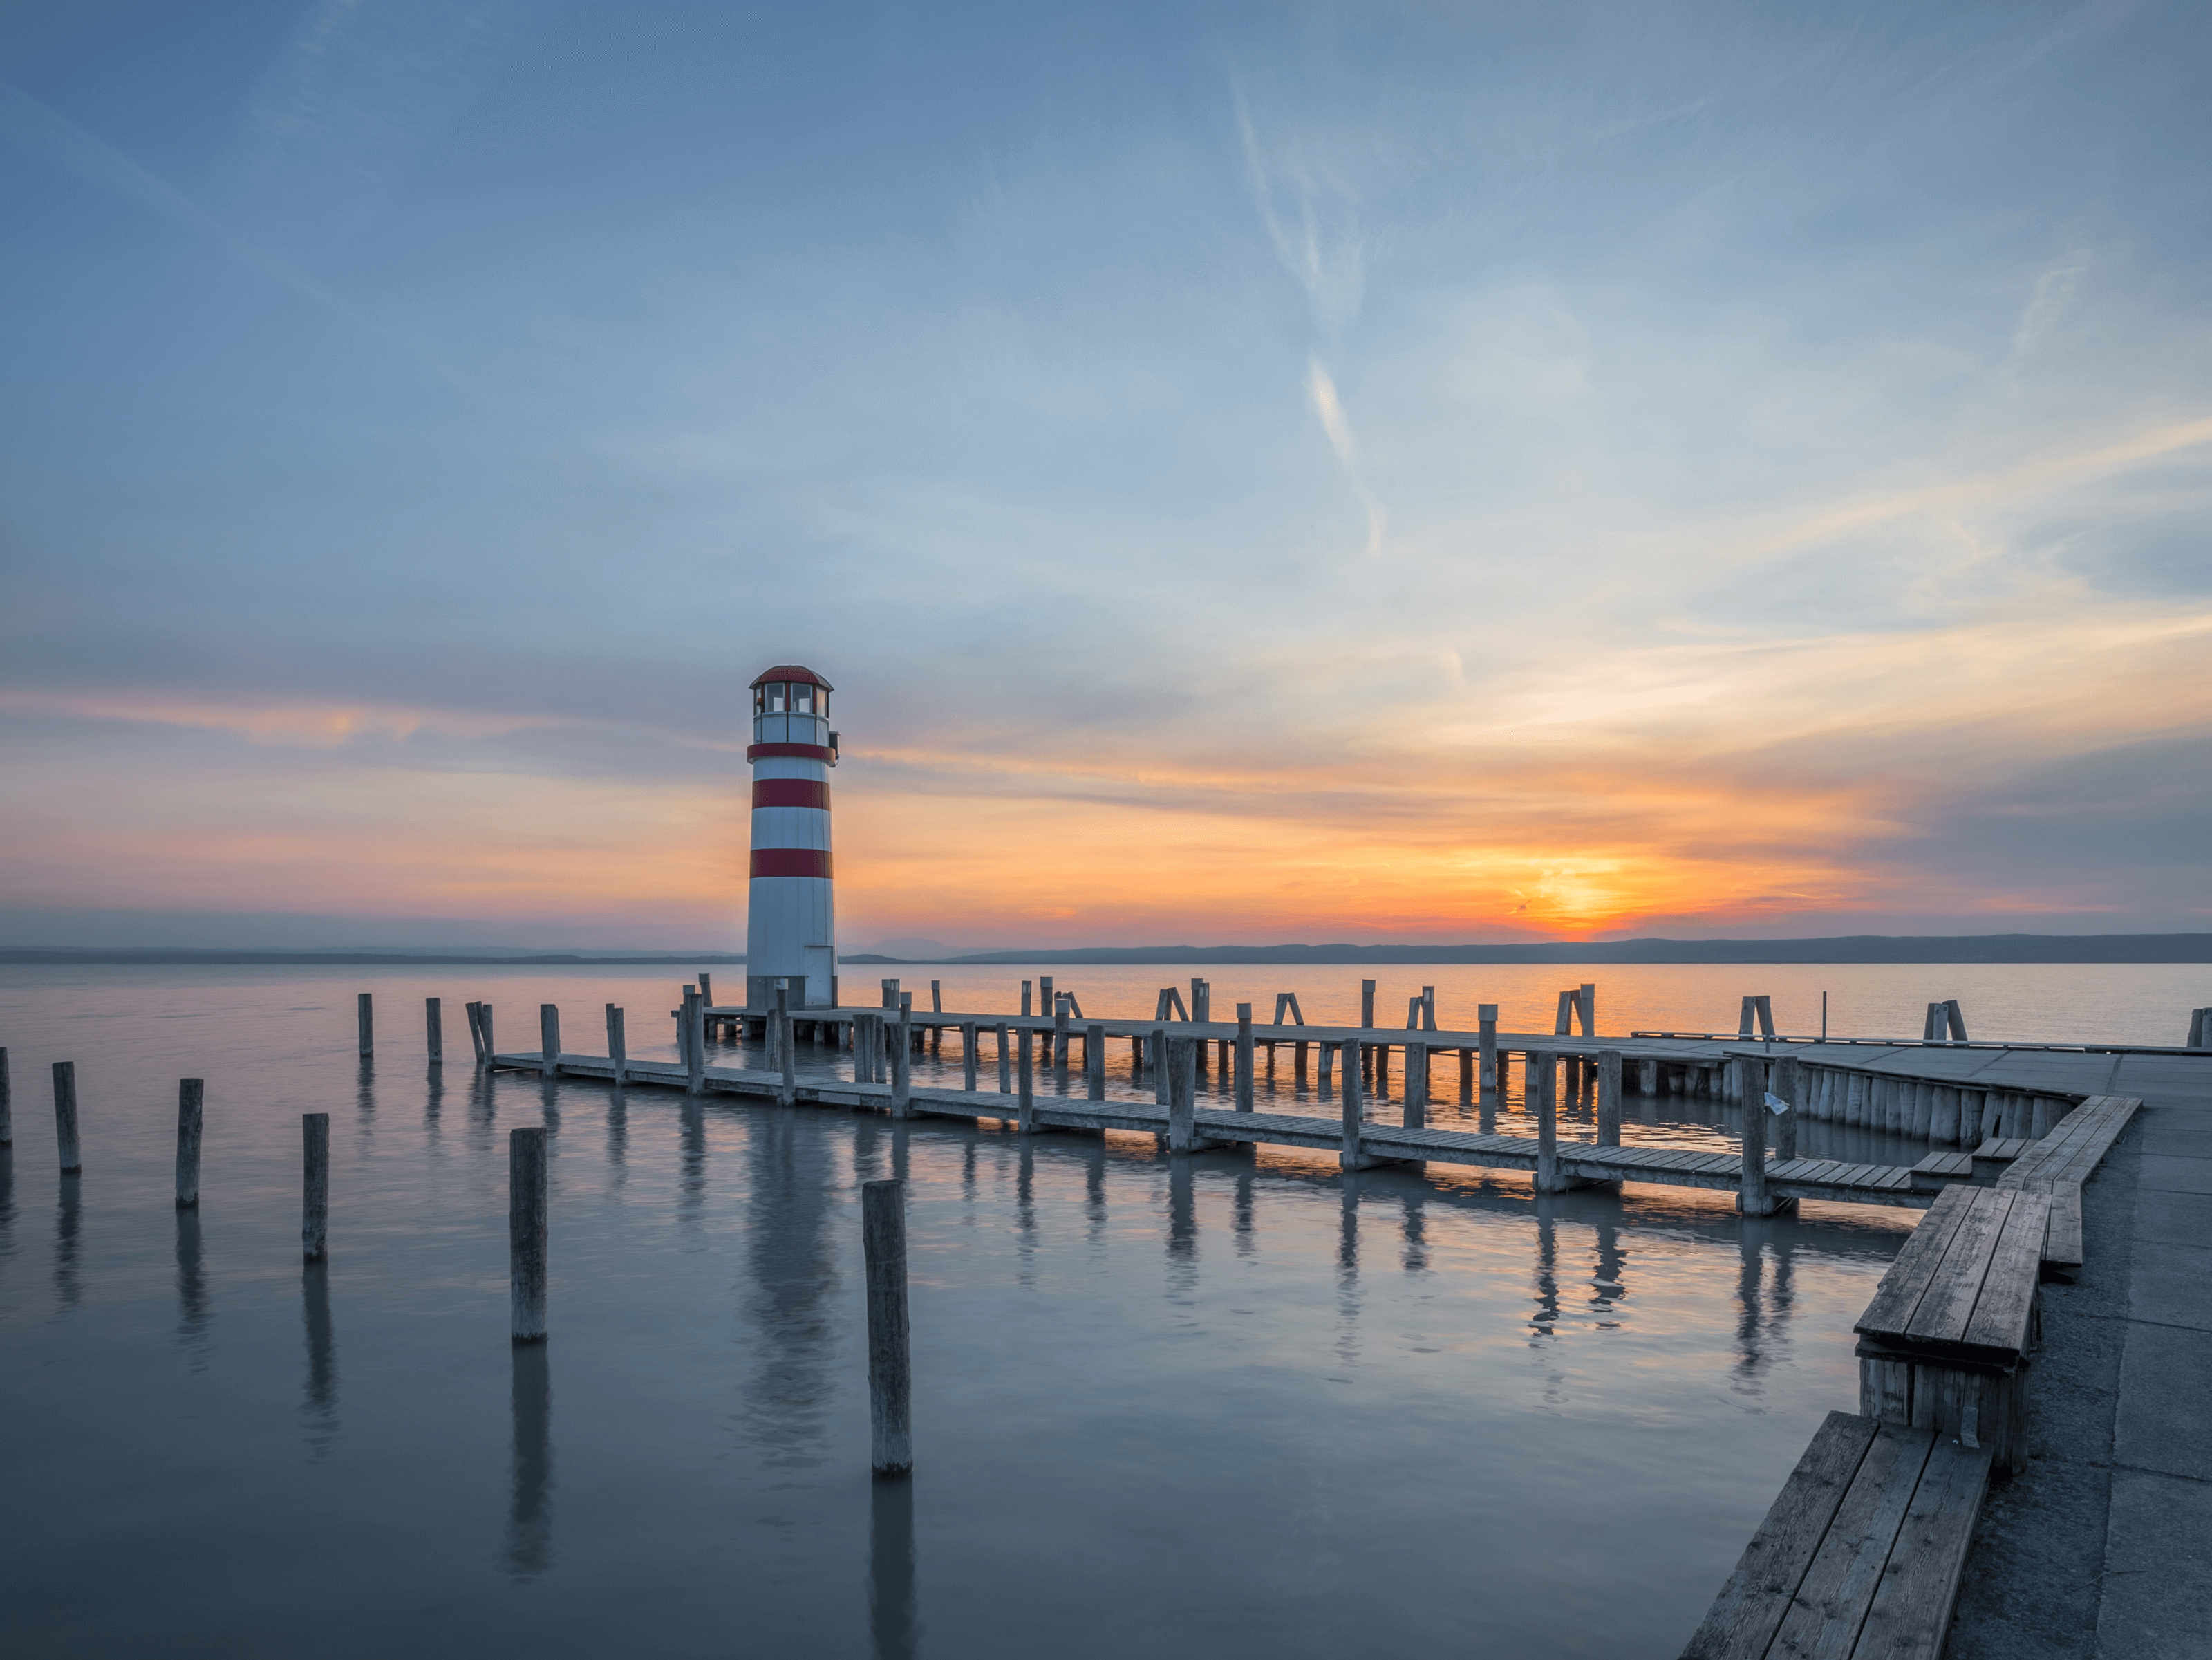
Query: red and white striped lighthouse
791, 921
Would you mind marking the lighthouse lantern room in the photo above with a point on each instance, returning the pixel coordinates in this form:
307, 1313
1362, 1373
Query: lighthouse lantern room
791, 920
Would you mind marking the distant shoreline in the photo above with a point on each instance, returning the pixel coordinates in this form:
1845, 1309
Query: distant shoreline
1901, 949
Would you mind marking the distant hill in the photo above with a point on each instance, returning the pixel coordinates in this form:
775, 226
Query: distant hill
1848, 948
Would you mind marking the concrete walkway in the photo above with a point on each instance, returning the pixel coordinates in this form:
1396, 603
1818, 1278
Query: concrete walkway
2103, 1546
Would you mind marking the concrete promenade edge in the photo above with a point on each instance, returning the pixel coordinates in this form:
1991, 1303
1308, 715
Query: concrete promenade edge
2102, 1546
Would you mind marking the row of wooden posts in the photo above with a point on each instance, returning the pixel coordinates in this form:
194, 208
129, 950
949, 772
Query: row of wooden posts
883, 1231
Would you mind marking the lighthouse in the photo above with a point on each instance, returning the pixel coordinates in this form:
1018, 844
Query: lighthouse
790, 922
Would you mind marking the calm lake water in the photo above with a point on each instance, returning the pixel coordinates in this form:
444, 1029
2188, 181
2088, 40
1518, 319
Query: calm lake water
1226, 1405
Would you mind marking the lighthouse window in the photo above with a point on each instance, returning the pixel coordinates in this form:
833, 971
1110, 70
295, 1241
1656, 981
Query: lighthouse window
775, 699
802, 700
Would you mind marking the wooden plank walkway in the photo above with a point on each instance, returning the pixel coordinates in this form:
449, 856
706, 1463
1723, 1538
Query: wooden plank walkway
1861, 1553
1581, 1162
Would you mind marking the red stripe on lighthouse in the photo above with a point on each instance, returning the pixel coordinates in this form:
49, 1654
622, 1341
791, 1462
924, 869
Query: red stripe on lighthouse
791, 861
790, 793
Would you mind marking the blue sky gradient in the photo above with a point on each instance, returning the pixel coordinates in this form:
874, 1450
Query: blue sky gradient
1252, 473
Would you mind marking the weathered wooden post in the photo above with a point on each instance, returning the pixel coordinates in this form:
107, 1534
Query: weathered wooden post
365, 1013
484, 1022
707, 991
1647, 1077
434, 1030
787, 1051
1542, 1089
191, 1092
1586, 1007
1025, 1000
475, 1011
1350, 1155
65, 1136
1465, 1077
1751, 1197
967, 1056
1058, 1059
526, 1233
617, 1044
1094, 1062
891, 1376
1788, 1086
1026, 1102
1047, 1002
1366, 1005
1160, 1066
548, 1040
1416, 1084
1381, 1053
901, 1062
1183, 1094
1324, 1085
695, 1042
7, 1105
937, 997
1244, 1057
1609, 1097
1486, 1034
315, 1189
891, 994
1005, 1061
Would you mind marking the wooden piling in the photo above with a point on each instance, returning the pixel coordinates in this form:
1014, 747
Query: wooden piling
1244, 1057
1005, 1061
902, 1064
1486, 1034
434, 1030
1586, 1007
1751, 1194
1047, 1002
707, 990
548, 1040
7, 1105
1350, 1155
693, 1043
1025, 1000
1094, 1062
1366, 1005
1159, 1047
190, 1092
526, 1233
1416, 1105
1025, 1074
365, 1013
787, 1051
65, 1135
1541, 1087
484, 1024
967, 1056
937, 997
617, 1044
1183, 1094
315, 1188
1609, 1097
891, 1376
1467, 1077
1059, 1057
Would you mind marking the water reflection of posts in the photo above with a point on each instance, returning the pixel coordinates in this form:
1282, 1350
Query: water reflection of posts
1748, 1274
320, 1407
530, 1503
892, 1621
66, 1222
1610, 1288
883, 1240
315, 1184
191, 1287
190, 1094
526, 1233
65, 1136
1546, 1318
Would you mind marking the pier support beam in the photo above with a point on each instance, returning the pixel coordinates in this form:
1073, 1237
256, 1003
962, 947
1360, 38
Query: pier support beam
315, 1185
890, 1389
65, 1135
527, 1233
190, 1092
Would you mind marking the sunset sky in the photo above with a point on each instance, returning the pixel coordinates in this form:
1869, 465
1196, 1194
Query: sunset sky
1252, 473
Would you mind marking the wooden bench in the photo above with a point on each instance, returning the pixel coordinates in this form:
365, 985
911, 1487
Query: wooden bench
1860, 1554
2059, 1164
1944, 1344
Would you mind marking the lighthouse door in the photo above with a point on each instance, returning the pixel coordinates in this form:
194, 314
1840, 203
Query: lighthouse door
821, 970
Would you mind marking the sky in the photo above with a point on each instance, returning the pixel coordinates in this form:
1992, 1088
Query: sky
1254, 474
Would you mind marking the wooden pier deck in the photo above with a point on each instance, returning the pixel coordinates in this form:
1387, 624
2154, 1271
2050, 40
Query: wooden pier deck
1583, 1162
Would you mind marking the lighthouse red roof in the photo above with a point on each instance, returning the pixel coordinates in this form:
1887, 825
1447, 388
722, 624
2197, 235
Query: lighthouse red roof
791, 673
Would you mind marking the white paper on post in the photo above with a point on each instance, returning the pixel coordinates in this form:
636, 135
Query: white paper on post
1776, 1104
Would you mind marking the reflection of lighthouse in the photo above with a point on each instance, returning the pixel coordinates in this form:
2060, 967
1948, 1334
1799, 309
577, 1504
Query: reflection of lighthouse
791, 923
